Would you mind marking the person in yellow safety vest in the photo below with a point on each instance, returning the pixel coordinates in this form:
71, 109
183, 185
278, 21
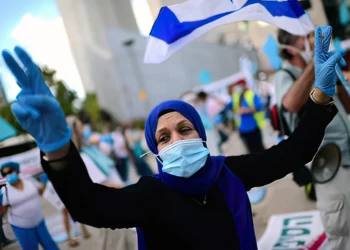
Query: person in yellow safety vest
249, 117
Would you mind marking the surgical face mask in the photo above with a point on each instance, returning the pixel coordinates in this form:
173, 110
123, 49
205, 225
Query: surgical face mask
306, 54
12, 178
183, 158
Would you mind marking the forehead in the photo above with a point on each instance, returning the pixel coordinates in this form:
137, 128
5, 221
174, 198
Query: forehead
6, 170
169, 120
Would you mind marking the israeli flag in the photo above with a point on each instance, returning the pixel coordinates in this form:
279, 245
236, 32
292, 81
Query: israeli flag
180, 24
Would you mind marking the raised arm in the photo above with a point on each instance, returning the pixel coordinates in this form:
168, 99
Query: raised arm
266, 167
40, 114
260, 169
95, 204
297, 95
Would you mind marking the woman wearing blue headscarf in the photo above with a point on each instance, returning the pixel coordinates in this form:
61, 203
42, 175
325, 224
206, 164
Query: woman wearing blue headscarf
197, 201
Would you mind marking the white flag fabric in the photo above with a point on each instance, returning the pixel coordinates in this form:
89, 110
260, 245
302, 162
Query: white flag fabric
180, 24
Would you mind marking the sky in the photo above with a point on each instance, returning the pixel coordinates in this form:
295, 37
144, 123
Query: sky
37, 26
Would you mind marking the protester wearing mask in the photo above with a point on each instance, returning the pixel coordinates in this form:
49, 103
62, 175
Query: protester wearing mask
294, 81
22, 204
121, 153
100, 167
249, 116
134, 135
197, 201
292, 99
213, 136
100, 171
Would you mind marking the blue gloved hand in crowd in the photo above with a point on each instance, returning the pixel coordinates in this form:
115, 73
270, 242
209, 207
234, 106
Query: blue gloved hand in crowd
44, 178
107, 138
36, 109
325, 63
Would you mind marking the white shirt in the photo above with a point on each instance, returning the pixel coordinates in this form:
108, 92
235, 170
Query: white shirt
105, 148
25, 205
119, 144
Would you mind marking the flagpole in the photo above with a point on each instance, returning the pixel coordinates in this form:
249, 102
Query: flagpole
129, 44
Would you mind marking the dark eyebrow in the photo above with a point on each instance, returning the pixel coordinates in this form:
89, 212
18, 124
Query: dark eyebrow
183, 122
161, 130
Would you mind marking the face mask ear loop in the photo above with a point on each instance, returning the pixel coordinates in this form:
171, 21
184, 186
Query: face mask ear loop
307, 44
158, 159
145, 154
156, 156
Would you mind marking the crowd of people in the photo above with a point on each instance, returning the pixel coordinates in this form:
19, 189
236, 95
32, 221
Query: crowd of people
197, 197
107, 157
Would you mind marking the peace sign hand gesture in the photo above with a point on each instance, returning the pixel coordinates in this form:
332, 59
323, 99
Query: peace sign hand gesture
36, 109
325, 62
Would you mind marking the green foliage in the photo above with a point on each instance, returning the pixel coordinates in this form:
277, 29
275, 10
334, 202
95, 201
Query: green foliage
65, 97
91, 106
6, 113
139, 123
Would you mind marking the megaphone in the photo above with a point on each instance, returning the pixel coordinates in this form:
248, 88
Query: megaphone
326, 163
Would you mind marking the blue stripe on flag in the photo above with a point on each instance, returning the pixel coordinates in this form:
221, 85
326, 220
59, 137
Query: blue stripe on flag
169, 29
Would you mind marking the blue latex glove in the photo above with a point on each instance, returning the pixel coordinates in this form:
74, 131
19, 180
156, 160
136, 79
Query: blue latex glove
44, 178
36, 109
324, 62
107, 139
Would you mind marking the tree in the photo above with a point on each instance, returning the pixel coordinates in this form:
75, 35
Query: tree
6, 113
65, 97
91, 106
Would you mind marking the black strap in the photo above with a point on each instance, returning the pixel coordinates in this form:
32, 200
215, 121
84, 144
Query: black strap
289, 73
241, 98
7, 195
285, 130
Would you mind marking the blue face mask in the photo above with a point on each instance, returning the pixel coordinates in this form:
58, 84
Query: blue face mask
87, 133
183, 158
12, 178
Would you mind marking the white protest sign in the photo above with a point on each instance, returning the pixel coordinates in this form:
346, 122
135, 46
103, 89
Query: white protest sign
221, 84
51, 196
29, 162
291, 231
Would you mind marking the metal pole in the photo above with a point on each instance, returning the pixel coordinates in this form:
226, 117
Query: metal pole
137, 70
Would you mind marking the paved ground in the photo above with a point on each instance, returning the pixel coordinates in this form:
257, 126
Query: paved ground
278, 199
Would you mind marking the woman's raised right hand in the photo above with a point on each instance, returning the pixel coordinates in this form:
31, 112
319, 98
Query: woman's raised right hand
36, 109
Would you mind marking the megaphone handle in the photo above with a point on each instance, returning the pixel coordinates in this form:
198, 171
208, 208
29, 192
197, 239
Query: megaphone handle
342, 78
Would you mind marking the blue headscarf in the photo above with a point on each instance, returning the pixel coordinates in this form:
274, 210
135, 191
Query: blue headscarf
14, 165
213, 172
